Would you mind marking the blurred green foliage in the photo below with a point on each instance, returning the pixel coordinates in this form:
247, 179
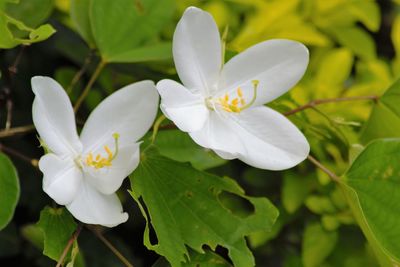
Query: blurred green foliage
354, 51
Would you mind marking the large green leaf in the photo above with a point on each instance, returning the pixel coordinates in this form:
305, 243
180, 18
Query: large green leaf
208, 259
384, 120
9, 190
80, 17
120, 27
373, 188
185, 209
57, 225
31, 12
178, 146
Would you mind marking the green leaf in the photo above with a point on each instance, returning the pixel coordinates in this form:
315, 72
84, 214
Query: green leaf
57, 225
31, 12
209, 259
384, 120
80, 17
367, 11
356, 39
295, 189
9, 190
185, 210
317, 245
158, 51
374, 181
120, 27
10, 39
178, 146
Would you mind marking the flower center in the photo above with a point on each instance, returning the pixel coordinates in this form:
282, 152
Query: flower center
237, 104
100, 161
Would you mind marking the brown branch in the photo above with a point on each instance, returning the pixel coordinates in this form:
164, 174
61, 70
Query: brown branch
17, 130
96, 231
317, 102
12, 152
71, 241
81, 71
13, 69
331, 174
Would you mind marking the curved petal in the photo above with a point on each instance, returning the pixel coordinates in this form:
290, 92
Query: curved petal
272, 141
62, 178
186, 109
53, 117
219, 136
197, 50
277, 64
129, 112
107, 180
92, 207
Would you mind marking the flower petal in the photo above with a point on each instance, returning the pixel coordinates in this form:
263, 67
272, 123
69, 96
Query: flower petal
92, 207
272, 141
107, 180
197, 50
186, 109
277, 64
62, 178
53, 117
219, 136
129, 112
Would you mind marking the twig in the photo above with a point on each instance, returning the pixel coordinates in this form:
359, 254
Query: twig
13, 69
69, 244
317, 102
34, 162
17, 130
82, 70
9, 107
85, 92
324, 169
116, 252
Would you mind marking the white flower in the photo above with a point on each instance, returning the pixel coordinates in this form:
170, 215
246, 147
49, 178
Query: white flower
221, 106
83, 173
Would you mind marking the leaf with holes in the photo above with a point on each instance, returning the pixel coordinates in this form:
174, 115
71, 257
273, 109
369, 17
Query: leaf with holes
185, 209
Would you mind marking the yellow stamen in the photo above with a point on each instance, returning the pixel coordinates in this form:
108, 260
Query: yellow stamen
100, 161
238, 104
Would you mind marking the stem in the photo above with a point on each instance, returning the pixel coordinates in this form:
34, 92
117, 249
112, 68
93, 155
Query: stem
317, 102
16, 130
79, 74
12, 152
156, 127
9, 114
85, 92
331, 174
69, 244
114, 250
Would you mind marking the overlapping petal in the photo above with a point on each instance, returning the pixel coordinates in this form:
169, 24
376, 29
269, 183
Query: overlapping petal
92, 207
108, 180
185, 108
53, 117
277, 64
219, 135
62, 178
129, 112
271, 141
197, 51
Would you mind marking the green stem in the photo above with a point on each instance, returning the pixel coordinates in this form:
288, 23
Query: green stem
89, 85
156, 127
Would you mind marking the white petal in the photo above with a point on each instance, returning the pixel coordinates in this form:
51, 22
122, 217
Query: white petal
53, 116
219, 136
186, 109
93, 207
197, 50
62, 178
277, 64
272, 141
108, 179
130, 112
